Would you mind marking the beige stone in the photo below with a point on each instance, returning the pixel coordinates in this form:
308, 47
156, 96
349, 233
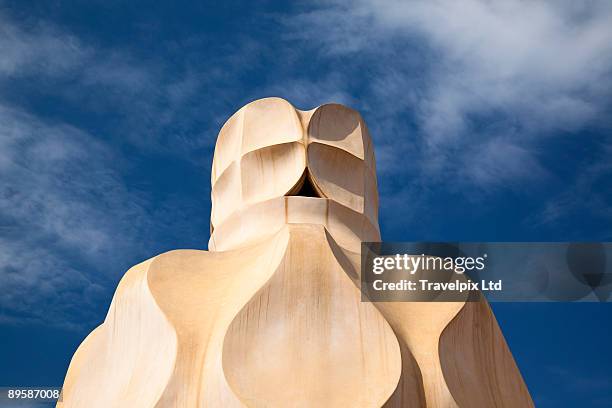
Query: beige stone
271, 315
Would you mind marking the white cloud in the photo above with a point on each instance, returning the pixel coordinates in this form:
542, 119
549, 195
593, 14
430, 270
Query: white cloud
61, 201
68, 221
150, 105
40, 50
500, 161
468, 69
43, 49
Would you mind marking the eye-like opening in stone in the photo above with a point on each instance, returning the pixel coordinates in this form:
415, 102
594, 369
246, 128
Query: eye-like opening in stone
305, 187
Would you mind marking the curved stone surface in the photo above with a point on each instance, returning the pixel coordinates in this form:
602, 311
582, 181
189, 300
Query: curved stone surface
271, 315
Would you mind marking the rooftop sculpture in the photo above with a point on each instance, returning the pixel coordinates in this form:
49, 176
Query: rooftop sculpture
271, 315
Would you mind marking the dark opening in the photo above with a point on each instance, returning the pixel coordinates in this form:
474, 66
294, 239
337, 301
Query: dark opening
304, 187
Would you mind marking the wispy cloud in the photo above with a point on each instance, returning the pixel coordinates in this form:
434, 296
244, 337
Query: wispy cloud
147, 102
68, 220
474, 74
40, 50
63, 208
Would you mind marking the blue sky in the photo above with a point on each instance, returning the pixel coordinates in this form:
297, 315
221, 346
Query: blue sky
491, 122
